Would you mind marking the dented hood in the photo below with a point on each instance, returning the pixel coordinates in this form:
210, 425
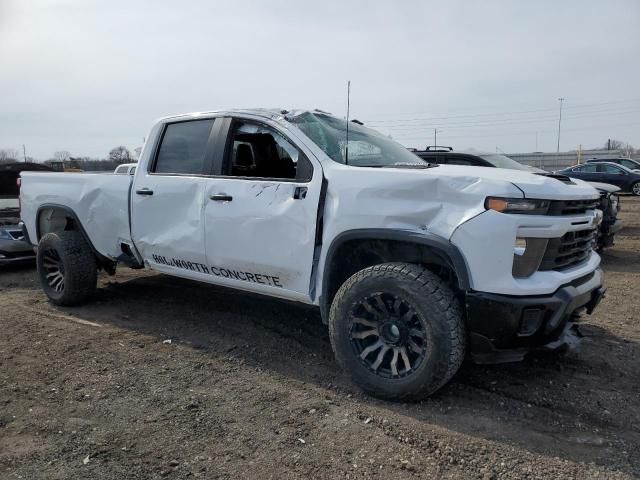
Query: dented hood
435, 200
532, 185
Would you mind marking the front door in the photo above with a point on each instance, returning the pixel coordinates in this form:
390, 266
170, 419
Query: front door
260, 213
167, 200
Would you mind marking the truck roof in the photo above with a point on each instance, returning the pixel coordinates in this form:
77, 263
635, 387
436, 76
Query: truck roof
262, 112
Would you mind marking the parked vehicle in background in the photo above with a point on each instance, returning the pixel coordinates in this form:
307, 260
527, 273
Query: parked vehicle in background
411, 264
609, 201
13, 247
446, 156
606, 172
126, 169
625, 162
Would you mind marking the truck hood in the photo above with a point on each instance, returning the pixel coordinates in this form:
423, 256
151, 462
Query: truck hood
604, 187
532, 185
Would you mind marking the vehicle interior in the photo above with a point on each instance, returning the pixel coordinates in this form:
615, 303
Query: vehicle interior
259, 151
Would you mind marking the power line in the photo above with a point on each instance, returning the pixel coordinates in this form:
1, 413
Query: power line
528, 132
498, 122
428, 118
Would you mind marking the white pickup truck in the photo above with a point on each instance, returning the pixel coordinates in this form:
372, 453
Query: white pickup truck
411, 264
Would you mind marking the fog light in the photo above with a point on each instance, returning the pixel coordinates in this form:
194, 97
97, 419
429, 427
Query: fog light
531, 321
520, 246
527, 255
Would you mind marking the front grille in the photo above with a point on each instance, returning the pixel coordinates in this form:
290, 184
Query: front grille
569, 250
571, 207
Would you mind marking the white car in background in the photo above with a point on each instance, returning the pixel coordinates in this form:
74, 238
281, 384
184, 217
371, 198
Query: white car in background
126, 169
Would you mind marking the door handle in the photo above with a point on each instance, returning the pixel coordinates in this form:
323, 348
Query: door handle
221, 197
144, 191
300, 193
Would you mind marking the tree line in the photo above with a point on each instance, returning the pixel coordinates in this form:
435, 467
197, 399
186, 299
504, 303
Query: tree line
117, 156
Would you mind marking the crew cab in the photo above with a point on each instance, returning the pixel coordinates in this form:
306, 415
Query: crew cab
411, 264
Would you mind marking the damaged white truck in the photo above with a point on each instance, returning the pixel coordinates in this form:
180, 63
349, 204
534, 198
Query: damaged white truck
412, 265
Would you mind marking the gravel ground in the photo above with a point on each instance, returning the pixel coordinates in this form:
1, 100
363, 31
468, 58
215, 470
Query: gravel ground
247, 388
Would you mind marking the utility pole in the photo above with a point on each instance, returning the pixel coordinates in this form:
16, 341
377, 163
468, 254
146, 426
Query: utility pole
24, 153
559, 122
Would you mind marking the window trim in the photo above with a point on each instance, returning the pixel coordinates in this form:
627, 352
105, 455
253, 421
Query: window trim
223, 165
207, 166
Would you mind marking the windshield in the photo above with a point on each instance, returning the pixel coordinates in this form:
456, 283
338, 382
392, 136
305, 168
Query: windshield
502, 161
367, 148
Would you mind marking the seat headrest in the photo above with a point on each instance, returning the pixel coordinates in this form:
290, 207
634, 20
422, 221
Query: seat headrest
244, 157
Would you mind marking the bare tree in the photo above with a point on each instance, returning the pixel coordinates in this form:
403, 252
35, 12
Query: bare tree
624, 147
120, 155
62, 155
137, 151
9, 155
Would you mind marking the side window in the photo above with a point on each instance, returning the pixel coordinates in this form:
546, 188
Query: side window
257, 150
183, 147
440, 159
609, 169
629, 164
588, 168
459, 160
122, 169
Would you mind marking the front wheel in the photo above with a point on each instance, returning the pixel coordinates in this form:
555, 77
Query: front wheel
398, 330
635, 188
67, 267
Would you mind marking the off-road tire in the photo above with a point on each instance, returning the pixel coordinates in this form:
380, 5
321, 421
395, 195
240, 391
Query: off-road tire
635, 188
77, 264
438, 308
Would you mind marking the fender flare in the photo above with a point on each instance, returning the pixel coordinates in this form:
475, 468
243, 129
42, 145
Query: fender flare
447, 251
71, 214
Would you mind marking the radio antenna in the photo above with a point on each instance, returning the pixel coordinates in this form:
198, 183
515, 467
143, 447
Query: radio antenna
346, 150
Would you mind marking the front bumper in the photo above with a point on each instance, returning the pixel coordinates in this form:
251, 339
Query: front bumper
504, 328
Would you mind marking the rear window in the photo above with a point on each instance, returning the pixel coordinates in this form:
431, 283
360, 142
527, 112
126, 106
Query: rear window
183, 147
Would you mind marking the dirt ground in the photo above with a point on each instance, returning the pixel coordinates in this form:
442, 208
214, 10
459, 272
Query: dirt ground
248, 388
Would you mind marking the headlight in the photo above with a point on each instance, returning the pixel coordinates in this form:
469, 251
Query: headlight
517, 205
527, 255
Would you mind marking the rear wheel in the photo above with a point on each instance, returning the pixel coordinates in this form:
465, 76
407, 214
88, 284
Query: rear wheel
67, 267
398, 330
635, 188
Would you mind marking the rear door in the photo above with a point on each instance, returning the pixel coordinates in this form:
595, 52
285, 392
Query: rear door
167, 199
612, 174
261, 211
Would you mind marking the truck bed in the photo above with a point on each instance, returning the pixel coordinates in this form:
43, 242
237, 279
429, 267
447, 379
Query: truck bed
99, 200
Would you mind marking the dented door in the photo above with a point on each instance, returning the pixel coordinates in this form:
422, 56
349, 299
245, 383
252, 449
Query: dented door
167, 200
260, 232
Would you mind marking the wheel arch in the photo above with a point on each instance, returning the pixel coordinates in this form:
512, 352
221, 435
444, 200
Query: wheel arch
354, 250
51, 217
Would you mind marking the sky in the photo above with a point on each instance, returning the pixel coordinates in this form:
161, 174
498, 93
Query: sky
85, 76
